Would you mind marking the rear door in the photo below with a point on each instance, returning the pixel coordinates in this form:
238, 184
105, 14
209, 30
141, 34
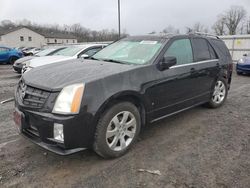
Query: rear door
206, 67
4, 54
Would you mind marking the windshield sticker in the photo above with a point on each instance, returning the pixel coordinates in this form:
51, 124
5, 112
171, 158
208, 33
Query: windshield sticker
148, 42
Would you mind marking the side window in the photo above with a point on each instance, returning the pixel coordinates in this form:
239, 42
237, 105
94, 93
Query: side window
182, 50
213, 55
92, 51
201, 50
3, 50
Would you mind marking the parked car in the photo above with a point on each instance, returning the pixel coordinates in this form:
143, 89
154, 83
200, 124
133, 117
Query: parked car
26, 50
9, 55
18, 65
104, 102
69, 53
243, 65
32, 51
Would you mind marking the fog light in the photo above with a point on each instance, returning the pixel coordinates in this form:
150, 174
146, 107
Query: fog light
58, 132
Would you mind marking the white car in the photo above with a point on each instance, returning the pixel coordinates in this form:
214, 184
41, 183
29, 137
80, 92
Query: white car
69, 53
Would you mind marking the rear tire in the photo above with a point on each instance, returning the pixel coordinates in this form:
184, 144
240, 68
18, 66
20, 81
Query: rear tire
117, 130
219, 94
12, 60
239, 73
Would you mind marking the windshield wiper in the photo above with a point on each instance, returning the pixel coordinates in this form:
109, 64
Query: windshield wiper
93, 58
114, 61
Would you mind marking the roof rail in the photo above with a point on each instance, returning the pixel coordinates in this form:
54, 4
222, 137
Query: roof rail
204, 34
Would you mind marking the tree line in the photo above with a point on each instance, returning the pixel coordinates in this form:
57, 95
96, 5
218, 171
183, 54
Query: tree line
231, 22
81, 33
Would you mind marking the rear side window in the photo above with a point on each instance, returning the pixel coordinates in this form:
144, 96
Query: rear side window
221, 48
213, 55
182, 50
201, 49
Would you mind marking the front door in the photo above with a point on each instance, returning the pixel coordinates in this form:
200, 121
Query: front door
178, 86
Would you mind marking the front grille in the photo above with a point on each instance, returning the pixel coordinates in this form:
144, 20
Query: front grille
32, 97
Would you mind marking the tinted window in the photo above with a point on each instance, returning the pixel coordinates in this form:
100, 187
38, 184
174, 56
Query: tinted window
182, 50
201, 50
220, 47
213, 55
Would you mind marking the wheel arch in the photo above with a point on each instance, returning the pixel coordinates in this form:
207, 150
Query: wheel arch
125, 96
12, 56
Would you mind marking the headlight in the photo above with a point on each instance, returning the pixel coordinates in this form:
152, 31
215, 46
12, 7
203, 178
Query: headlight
241, 61
27, 63
69, 100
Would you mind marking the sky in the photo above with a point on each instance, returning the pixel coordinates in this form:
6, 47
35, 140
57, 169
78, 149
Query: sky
137, 16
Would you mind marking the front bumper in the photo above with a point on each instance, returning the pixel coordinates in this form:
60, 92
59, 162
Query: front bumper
243, 68
38, 126
50, 147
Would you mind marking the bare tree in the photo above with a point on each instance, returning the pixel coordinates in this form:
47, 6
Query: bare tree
233, 18
248, 27
219, 27
171, 29
197, 27
7, 24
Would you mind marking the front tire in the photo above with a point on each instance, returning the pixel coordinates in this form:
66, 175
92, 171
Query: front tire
117, 130
219, 94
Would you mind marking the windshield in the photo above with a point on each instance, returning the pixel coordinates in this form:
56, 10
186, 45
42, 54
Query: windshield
130, 52
45, 52
70, 51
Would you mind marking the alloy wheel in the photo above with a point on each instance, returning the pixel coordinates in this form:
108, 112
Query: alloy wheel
121, 131
219, 92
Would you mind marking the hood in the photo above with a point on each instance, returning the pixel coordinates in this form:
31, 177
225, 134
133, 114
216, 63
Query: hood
39, 61
247, 60
54, 77
24, 59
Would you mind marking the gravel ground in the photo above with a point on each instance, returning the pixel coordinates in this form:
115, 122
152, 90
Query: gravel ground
197, 148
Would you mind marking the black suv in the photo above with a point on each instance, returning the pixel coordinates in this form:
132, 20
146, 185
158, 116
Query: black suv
102, 102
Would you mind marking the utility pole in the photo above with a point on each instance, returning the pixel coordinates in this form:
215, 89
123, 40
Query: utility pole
119, 19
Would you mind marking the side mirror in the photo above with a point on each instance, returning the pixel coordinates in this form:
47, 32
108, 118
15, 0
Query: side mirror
167, 62
245, 55
84, 56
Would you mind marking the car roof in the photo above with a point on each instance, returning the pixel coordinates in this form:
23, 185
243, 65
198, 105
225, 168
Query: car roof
166, 36
89, 45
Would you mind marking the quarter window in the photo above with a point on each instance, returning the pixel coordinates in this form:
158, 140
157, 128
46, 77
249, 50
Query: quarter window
182, 50
201, 49
213, 55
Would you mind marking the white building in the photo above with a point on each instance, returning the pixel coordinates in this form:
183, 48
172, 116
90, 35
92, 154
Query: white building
26, 37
